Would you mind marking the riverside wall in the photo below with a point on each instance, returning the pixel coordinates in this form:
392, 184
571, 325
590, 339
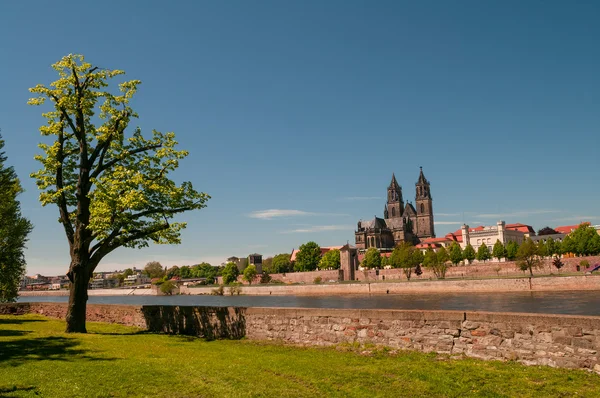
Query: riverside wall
532, 339
563, 283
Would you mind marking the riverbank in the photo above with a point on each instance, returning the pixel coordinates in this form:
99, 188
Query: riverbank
38, 359
490, 285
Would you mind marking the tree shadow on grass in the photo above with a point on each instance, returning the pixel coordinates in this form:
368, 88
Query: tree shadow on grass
13, 333
19, 321
19, 351
15, 390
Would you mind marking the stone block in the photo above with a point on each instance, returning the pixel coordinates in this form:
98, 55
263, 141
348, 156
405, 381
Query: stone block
469, 325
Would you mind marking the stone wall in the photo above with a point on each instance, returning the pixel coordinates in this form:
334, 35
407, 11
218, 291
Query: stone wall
532, 339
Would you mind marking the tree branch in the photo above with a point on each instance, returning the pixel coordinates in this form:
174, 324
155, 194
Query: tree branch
62, 200
100, 168
103, 147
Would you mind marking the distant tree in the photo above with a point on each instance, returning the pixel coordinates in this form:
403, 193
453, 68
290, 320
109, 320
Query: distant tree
267, 264
185, 272
230, 273
172, 272
153, 269
308, 257
557, 263
483, 253
456, 254
546, 231
568, 245
527, 256
542, 248
499, 251
14, 229
167, 287
407, 257
250, 273
430, 258
594, 245
583, 237
372, 259
469, 253
127, 272
204, 270
265, 277
330, 260
552, 247
281, 264
442, 255
511, 250
418, 270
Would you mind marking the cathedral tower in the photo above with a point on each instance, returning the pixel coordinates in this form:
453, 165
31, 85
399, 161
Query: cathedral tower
395, 203
424, 207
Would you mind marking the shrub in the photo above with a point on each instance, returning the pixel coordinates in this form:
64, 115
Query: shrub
235, 288
218, 291
265, 278
167, 287
318, 280
584, 264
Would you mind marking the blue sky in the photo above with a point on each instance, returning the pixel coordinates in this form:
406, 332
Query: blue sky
307, 107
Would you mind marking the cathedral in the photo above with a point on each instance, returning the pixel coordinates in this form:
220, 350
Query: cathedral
401, 222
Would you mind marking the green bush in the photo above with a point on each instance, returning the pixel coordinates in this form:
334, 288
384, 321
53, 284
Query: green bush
167, 287
318, 280
218, 291
584, 264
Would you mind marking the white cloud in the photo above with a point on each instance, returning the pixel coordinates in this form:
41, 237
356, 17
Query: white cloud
321, 228
577, 218
524, 213
448, 222
274, 213
446, 214
357, 198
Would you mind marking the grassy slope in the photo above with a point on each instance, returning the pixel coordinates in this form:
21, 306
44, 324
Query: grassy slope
37, 359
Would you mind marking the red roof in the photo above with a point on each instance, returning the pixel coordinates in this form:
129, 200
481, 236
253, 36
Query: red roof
521, 227
427, 245
567, 229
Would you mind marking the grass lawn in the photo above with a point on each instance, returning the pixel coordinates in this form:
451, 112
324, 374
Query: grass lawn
37, 359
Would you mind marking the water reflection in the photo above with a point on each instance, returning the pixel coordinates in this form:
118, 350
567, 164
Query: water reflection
578, 302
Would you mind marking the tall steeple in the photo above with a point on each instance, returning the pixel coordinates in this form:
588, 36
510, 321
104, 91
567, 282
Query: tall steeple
422, 185
424, 207
395, 202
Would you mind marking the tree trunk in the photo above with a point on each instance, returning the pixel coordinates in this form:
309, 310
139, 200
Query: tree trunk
531, 270
78, 297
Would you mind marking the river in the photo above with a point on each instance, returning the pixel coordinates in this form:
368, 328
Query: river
572, 302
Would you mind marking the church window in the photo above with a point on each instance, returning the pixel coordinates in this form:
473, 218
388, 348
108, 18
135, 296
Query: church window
422, 208
393, 212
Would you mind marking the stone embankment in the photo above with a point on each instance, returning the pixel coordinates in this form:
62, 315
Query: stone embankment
565, 283
533, 339
93, 292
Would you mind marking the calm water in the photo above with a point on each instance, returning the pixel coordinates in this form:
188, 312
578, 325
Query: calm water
576, 303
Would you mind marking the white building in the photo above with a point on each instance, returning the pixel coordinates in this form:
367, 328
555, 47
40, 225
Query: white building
489, 235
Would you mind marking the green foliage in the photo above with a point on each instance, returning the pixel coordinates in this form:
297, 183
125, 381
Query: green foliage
308, 257
584, 264
552, 247
127, 272
430, 258
418, 270
585, 239
568, 245
499, 251
317, 280
527, 256
511, 250
469, 253
546, 231
483, 253
542, 248
154, 269
442, 255
230, 273
185, 272
372, 259
456, 254
330, 260
14, 229
235, 288
250, 273
204, 270
265, 278
167, 287
281, 264
407, 257
219, 291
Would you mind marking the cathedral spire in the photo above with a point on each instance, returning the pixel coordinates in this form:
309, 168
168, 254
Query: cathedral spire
394, 183
422, 179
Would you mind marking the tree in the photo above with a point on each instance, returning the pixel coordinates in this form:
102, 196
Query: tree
430, 258
172, 272
583, 237
552, 247
469, 253
281, 264
511, 250
418, 270
499, 251
167, 287
330, 260
267, 264
568, 245
542, 248
456, 254
14, 229
308, 257
111, 188
557, 263
546, 231
372, 259
127, 272
185, 272
483, 253
442, 255
154, 270
204, 270
250, 273
407, 257
433, 260
230, 273
594, 245
527, 256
